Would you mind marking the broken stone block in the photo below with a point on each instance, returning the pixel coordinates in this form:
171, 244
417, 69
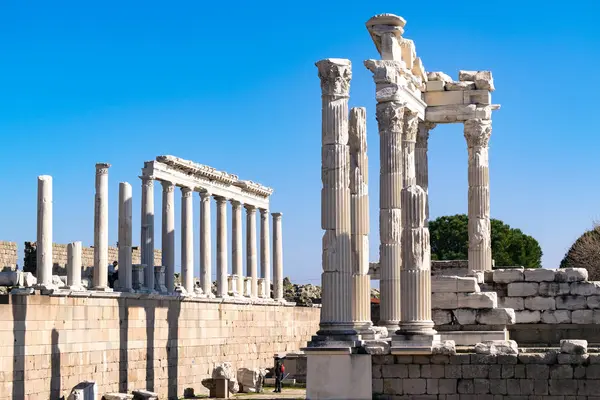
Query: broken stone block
571, 275
540, 303
556, 317
444, 301
117, 396
11, 278
522, 289
477, 300
452, 86
144, 395
539, 275
86, 390
585, 288
582, 317
453, 284
446, 347
225, 371
377, 347
508, 275
441, 317
251, 380
438, 76
457, 113
466, 75
497, 316
494, 347
570, 302
484, 81
465, 316
527, 317
572, 346
516, 303
554, 288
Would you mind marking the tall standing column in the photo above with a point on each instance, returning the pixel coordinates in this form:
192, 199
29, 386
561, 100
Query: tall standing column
277, 258
101, 228
168, 234
359, 203
336, 280
205, 244
147, 239
477, 134
221, 246
237, 251
265, 252
125, 237
74, 266
409, 139
421, 161
251, 265
187, 239
44, 232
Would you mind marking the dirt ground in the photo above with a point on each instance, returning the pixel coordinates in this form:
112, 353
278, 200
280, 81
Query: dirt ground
287, 393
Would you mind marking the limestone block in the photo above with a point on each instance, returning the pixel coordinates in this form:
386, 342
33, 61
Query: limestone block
466, 75
377, 347
539, 275
572, 346
466, 85
250, 380
554, 288
497, 347
571, 275
540, 303
444, 301
522, 289
84, 391
497, 316
443, 98
117, 396
570, 302
438, 76
225, 371
585, 288
582, 317
144, 395
465, 316
454, 284
441, 317
457, 113
435, 86
446, 347
516, 303
477, 300
556, 317
508, 275
593, 302
484, 81
527, 317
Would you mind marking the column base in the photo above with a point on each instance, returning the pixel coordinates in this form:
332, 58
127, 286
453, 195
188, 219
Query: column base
416, 328
414, 344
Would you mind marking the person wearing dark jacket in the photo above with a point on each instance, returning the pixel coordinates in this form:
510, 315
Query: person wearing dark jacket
279, 370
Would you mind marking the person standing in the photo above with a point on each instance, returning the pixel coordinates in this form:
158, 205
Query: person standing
279, 371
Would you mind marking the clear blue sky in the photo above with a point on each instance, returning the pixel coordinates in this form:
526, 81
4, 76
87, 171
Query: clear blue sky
233, 85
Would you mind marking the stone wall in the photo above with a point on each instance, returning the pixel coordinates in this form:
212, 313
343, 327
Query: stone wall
8, 255
124, 342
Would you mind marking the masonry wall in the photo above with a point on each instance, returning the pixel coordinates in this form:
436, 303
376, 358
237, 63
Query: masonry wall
49, 344
8, 255
527, 376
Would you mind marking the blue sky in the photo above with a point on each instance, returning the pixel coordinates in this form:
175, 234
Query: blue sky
234, 86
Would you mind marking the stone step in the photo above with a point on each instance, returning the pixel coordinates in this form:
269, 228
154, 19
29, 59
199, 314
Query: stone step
476, 300
454, 284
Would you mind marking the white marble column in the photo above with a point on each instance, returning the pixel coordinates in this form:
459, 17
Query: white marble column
125, 237
409, 139
421, 161
336, 279
237, 248
277, 258
477, 134
187, 239
101, 228
359, 203
251, 264
205, 245
265, 252
147, 224
221, 246
74, 266
44, 232
168, 234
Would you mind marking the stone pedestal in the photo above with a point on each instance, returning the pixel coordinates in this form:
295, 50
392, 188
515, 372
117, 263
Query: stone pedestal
44, 232
277, 258
159, 279
125, 237
334, 376
187, 239
137, 276
168, 234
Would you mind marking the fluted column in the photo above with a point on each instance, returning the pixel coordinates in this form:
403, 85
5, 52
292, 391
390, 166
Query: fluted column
205, 244
168, 234
251, 265
359, 204
421, 161
277, 258
44, 231
477, 134
125, 237
336, 280
416, 271
101, 228
221, 246
265, 251
147, 239
74, 266
409, 138
237, 251
187, 239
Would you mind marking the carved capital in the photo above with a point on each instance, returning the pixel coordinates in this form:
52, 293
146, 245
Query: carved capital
277, 215
264, 213
250, 209
385, 71
335, 75
147, 181
167, 186
221, 201
478, 132
390, 117
235, 204
205, 197
411, 125
102, 168
186, 191
423, 134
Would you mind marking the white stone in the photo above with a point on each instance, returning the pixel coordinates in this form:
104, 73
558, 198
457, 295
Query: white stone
222, 247
74, 266
435, 86
339, 376
556, 317
29, 280
147, 233
539, 275
516, 303
441, 317
459, 86
84, 391
540, 303
438, 76
237, 247
571, 275
571, 346
187, 239
527, 317
484, 81
454, 284
125, 238
265, 253
508, 275
497, 316
497, 347
466, 76
444, 301
585, 288
250, 380
477, 300
205, 244
168, 233
582, 317
445, 348
457, 113
101, 228
465, 316
44, 231
377, 347
522, 289
277, 258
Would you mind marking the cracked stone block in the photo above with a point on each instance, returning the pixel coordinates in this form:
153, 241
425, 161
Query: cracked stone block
571, 275
465, 316
556, 317
441, 317
540, 303
508, 275
495, 347
477, 300
585, 288
497, 316
454, 284
539, 275
572, 346
444, 301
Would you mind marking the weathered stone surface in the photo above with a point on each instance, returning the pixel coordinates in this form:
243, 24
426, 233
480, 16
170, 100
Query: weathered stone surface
251, 380
445, 301
582, 317
508, 275
447, 347
466, 75
574, 359
585, 288
571, 275
438, 76
117, 396
571, 346
454, 284
452, 86
556, 317
527, 317
516, 303
570, 302
497, 316
548, 357
465, 316
540, 303
435, 86
484, 80
539, 275
522, 289
441, 317
477, 300
377, 347
225, 370
554, 289
87, 390
144, 395
457, 113
495, 347
593, 302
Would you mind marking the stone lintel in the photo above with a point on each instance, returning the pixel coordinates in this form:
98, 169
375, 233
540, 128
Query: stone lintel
458, 113
458, 97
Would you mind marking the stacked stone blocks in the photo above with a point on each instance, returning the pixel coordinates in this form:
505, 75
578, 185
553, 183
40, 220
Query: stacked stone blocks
8, 255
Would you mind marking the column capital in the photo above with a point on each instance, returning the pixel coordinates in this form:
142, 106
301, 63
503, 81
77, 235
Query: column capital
168, 186
385, 71
102, 168
411, 125
235, 203
335, 75
478, 132
204, 195
186, 191
250, 209
390, 116
277, 215
264, 211
220, 200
